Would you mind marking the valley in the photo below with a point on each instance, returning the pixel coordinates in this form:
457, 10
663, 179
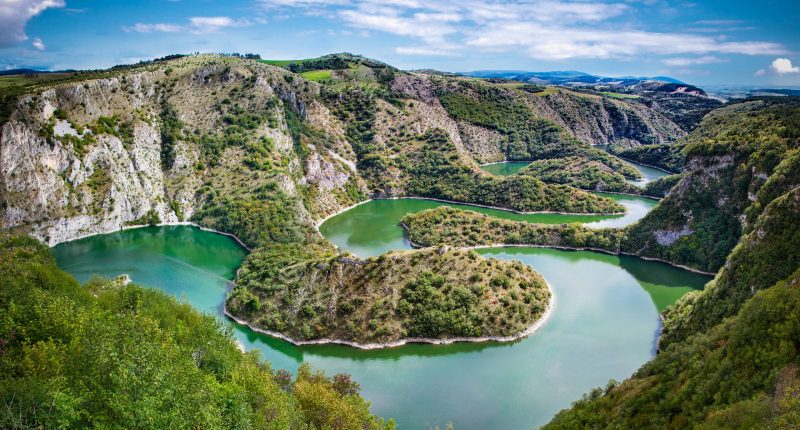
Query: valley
328, 169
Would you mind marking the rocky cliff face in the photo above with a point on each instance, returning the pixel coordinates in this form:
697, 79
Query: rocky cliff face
738, 160
603, 121
140, 144
89, 157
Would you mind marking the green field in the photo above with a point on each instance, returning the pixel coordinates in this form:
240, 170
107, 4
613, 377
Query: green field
317, 75
280, 63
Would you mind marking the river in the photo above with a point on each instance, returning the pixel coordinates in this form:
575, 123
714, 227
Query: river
604, 324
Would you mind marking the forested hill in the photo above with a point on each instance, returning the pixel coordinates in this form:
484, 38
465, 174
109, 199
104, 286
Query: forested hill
111, 355
730, 353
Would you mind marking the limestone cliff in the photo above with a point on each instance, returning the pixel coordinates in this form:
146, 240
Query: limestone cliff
94, 155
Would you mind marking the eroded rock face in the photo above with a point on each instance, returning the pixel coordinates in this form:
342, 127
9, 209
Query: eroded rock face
668, 237
57, 195
60, 181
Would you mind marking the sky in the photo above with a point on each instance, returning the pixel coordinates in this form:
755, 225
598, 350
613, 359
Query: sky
721, 42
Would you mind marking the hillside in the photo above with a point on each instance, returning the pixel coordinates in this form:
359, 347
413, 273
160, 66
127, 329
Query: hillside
264, 150
256, 150
111, 354
427, 294
730, 159
682, 103
734, 210
87, 156
739, 161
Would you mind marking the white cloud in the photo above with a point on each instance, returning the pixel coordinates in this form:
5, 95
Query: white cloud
779, 67
14, 15
549, 42
543, 29
38, 44
425, 51
783, 66
196, 25
684, 61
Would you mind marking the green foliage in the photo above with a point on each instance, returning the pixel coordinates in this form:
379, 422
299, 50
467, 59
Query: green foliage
317, 75
150, 218
766, 255
580, 173
289, 288
79, 143
171, 127
730, 157
266, 217
458, 227
661, 186
435, 309
489, 106
525, 136
109, 355
176, 207
669, 157
435, 171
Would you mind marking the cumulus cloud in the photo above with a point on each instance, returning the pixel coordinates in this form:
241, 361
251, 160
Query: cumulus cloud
780, 67
196, 25
38, 44
783, 66
543, 29
14, 15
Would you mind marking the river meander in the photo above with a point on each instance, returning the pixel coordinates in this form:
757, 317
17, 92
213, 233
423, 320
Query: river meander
604, 324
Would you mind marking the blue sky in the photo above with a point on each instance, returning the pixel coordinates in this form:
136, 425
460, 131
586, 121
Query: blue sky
703, 42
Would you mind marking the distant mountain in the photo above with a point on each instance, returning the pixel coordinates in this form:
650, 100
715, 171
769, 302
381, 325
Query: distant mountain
729, 92
569, 77
19, 72
32, 72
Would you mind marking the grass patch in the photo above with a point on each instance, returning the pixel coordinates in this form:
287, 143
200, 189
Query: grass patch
317, 75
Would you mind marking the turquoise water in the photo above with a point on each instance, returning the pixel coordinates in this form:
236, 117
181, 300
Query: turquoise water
373, 228
649, 174
604, 323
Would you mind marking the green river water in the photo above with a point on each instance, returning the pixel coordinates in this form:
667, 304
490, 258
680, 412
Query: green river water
604, 324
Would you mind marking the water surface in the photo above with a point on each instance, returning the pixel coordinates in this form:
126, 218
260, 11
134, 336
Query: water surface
373, 228
603, 326
649, 174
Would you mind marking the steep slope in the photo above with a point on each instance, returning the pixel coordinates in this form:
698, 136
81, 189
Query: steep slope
729, 354
253, 150
177, 140
729, 159
109, 354
91, 156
